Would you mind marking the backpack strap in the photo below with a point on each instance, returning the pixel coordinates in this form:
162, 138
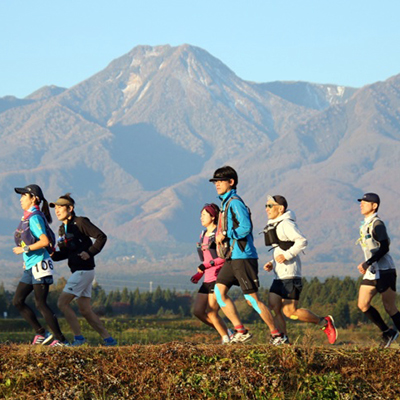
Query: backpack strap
49, 232
199, 246
241, 242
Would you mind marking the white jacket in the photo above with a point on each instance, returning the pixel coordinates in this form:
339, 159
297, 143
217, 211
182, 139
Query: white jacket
287, 230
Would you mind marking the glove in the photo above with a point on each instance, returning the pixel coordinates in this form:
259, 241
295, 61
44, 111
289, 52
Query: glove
196, 277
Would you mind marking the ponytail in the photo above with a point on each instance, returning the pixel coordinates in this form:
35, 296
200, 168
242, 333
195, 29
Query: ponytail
46, 211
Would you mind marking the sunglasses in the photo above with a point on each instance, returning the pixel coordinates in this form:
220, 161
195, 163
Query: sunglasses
271, 205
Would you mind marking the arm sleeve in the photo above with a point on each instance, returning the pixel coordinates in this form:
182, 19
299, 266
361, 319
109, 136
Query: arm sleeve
100, 238
242, 215
60, 255
293, 234
379, 233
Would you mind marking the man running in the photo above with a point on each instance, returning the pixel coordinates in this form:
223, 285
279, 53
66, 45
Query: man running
287, 241
378, 269
235, 240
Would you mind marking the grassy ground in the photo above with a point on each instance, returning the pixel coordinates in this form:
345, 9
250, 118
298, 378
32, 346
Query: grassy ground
152, 330
182, 359
185, 370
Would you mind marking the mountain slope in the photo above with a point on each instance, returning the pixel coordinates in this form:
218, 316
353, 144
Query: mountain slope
137, 142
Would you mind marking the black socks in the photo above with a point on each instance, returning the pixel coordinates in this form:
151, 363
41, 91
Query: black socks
374, 316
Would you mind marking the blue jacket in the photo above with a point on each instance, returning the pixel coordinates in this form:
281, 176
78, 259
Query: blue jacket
243, 231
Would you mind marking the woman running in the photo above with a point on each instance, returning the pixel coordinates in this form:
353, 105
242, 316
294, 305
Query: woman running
32, 240
206, 307
75, 245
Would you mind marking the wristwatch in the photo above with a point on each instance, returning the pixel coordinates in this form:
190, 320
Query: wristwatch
26, 249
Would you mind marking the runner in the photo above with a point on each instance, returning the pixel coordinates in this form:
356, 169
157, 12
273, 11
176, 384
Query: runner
378, 269
283, 234
75, 244
235, 242
32, 240
206, 307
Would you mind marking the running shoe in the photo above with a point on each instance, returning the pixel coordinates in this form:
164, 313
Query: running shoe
330, 329
58, 343
78, 342
278, 340
285, 339
110, 342
240, 337
43, 339
389, 337
225, 340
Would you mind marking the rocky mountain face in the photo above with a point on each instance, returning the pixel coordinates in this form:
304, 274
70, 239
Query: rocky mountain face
137, 142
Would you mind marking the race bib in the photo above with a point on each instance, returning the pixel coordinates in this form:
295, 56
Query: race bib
43, 268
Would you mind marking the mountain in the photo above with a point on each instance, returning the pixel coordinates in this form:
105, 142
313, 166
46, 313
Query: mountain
46, 92
315, 96
137, 142
9, 102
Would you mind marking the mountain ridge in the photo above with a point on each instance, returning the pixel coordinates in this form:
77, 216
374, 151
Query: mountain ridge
137, 142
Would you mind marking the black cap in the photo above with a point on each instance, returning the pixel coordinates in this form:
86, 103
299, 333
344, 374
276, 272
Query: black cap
280, 200
371, 198
225, 173
31, 189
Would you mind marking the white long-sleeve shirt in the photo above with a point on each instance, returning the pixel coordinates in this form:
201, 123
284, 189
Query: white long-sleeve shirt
287, 230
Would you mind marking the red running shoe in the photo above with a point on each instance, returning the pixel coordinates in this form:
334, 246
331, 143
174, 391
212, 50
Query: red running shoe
330, 329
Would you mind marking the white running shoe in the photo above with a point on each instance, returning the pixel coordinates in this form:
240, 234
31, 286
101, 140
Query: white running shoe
228, 337
239, 337
278, 340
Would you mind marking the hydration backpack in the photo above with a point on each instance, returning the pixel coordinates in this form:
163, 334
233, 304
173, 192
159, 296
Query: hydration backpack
211, 246
225, 251
23, 235
271, 237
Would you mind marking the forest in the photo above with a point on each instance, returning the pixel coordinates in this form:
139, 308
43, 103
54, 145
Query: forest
334, 296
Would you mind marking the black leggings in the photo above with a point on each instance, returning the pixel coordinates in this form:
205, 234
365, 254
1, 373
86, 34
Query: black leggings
41, 291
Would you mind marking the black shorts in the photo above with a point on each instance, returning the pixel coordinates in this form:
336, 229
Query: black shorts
207, 288
387, 280
288, 289
240, 272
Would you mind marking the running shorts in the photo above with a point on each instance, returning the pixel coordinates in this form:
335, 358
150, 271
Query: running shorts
240, 272
80, 283
386, 280
288, 289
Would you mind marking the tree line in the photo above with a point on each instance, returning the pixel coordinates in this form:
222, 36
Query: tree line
334, 296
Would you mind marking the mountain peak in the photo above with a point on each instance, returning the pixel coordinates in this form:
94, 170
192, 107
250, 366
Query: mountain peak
46, 92
141, 138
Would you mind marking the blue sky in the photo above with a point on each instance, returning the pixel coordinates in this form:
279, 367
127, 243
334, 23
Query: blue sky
352, 42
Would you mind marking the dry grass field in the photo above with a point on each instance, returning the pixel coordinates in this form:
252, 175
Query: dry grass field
185, 370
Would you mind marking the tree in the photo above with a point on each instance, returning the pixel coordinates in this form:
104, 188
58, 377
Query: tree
342, 313
125, 295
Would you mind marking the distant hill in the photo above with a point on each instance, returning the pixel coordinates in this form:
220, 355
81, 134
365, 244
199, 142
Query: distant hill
46, 92
137, 142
